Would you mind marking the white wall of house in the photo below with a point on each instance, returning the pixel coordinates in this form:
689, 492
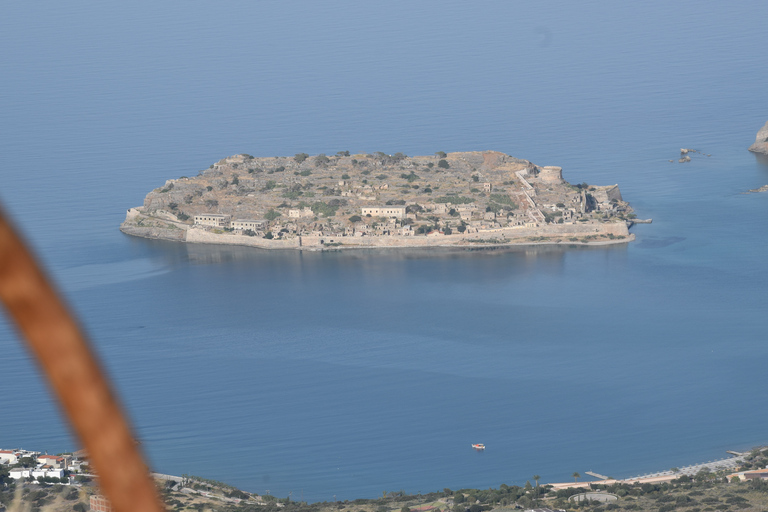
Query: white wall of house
397, 212
212, 219
8, 457
253, 225
57, 473
17, 473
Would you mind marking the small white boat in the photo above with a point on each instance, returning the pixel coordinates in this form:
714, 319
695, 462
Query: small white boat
479, 446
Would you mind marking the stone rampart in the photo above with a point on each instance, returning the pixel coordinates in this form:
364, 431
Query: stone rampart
607, 194
202, 236
517, 234
551, 174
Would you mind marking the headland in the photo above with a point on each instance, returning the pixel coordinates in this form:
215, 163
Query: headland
761, 141
454, 200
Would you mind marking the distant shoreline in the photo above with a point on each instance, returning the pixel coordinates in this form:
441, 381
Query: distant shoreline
729, 463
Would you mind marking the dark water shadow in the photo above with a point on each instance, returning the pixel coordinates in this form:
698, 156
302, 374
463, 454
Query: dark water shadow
217, 254
762, 160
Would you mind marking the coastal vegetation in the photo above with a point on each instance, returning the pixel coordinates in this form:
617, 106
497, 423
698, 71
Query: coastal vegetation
706, 492
702, 491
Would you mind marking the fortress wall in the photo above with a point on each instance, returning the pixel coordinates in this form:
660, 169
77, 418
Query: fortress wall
606, 194
581, 229
201, 236
551, 174
613, 193
198, 235
381, 241
511, 234
154, 232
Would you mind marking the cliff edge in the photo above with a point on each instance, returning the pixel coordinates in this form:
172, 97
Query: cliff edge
761, 141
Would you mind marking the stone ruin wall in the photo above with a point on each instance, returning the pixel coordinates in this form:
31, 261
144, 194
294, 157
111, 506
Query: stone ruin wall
551, 174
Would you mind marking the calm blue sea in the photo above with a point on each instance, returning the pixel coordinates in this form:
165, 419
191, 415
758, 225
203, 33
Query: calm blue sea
350, 374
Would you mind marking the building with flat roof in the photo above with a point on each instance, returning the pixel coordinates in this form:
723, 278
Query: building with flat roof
253, 225
8, 457
55, 461
48, 472
397, 212
216, 220
19, 473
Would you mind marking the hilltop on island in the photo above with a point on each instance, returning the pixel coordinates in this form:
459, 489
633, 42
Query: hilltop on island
470, 199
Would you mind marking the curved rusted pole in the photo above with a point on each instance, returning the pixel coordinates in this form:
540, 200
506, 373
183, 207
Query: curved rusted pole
82, 389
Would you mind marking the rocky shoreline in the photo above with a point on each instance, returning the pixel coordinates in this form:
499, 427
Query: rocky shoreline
761, 141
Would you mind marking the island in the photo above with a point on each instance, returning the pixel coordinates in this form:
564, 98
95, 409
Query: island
463, 199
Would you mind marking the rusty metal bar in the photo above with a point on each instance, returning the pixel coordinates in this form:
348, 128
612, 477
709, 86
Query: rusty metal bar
83, 391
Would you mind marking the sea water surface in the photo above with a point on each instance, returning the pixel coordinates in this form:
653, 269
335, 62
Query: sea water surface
349, 374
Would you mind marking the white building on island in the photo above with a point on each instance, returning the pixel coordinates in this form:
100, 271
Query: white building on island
253, 225
215, 220
397, 212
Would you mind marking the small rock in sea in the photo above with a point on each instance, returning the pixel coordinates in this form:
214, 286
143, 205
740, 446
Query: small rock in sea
685, 159
672, 161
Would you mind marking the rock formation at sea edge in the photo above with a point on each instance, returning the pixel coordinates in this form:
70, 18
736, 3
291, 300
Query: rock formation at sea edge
761, 141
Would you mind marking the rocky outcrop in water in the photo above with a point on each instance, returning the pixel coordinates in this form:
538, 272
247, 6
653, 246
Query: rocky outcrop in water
761, 141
